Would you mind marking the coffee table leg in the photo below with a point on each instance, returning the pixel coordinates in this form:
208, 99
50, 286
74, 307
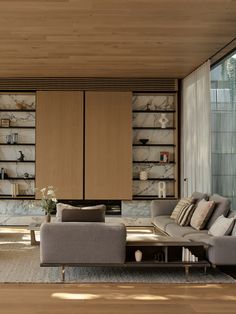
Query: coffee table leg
32, 238
63, 273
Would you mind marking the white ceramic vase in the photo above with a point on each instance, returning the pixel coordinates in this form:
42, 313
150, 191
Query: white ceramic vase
138, 256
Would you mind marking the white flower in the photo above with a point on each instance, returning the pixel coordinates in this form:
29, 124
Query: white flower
43, 190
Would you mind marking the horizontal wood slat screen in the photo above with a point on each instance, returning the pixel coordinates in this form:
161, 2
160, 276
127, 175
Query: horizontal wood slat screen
77, 83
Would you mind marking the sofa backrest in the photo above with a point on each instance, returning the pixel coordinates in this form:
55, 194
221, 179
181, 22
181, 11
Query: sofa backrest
198, 196
82, 242
95, 214
222, 207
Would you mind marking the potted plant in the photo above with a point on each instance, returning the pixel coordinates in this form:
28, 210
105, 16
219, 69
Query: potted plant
48, 201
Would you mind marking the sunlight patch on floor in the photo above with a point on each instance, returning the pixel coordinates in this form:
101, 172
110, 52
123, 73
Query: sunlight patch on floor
75, 296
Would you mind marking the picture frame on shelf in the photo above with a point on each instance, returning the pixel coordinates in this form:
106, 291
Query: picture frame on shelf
5, 123
164, 157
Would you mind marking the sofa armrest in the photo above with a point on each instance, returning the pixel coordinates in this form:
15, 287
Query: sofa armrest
221, 250
82, 243
162, 207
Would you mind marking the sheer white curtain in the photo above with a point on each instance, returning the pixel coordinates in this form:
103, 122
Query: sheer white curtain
196, 131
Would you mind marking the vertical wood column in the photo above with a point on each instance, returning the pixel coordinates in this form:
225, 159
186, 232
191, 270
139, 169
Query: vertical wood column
108, 145
59, 142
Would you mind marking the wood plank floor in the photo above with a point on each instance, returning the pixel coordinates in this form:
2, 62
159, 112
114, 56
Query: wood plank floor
113, 298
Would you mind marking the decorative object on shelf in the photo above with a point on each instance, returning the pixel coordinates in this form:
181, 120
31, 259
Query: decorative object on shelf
21, 105
48, 201
164, 156
148, 107
187, 256
144, 140
26, 175
159, 257
138, 255
163, 120
22, 156
143, 175
8, 139
5, 123
14, 138
162, 189
2, 173
14, 189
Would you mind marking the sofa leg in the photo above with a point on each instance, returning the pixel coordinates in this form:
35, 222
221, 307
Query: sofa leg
63, 273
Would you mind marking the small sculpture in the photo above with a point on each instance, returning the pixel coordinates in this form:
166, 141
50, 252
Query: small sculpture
22, 156
143, 175
161, 189
163, 120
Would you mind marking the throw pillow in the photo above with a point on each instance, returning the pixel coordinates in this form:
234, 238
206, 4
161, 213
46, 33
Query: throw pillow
186, 201
185, 215
221, 227
60, 207
201, 214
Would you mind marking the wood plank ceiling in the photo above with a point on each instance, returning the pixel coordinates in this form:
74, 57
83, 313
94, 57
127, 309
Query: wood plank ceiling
111, 38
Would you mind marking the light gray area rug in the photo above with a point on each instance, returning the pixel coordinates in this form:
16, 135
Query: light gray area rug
19, 263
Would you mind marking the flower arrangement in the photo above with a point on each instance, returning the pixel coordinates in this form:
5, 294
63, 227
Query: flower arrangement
48, 201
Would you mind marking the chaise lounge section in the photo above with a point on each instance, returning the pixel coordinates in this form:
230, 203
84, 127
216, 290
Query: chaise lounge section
221, 249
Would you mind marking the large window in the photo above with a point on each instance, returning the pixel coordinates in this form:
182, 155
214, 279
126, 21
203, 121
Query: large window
223, 106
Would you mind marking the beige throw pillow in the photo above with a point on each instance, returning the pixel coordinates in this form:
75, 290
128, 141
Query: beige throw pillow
186, 201
201, 214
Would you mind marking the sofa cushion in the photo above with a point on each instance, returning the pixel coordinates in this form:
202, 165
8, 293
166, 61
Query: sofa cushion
162, 221
201, 214
221, 227
66, 212
176, 230
185, 215
60, 207
199, 236
222, 206
91, 214
182, 203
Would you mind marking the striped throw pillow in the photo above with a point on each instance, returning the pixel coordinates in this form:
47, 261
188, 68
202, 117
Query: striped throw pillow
181, 204
185, 215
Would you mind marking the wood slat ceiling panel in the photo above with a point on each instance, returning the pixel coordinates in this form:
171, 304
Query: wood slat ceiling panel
119, 84
110, 38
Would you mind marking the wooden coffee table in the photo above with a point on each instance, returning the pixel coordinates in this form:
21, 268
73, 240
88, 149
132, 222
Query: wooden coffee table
32, 228
164, 251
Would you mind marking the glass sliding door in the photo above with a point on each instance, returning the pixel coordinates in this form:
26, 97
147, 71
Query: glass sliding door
223, 114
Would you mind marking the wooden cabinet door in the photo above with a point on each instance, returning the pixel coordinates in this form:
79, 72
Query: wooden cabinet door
108, 145
59, 142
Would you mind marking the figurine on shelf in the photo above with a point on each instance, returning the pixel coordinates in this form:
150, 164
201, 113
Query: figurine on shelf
163, 120
22, 156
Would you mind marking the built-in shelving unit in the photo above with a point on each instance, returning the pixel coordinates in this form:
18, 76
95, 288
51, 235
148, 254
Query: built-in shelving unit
148, 111
17, 116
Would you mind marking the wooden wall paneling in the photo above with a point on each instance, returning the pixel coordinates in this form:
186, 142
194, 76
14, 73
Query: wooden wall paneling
108, 145
59, 143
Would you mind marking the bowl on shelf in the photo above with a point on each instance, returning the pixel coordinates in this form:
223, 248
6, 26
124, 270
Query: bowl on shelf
144, 140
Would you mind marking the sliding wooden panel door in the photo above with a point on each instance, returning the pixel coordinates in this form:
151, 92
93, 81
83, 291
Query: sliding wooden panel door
59, 142
108, 145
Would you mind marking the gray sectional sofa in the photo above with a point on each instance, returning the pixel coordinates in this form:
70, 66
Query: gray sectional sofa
221, 250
